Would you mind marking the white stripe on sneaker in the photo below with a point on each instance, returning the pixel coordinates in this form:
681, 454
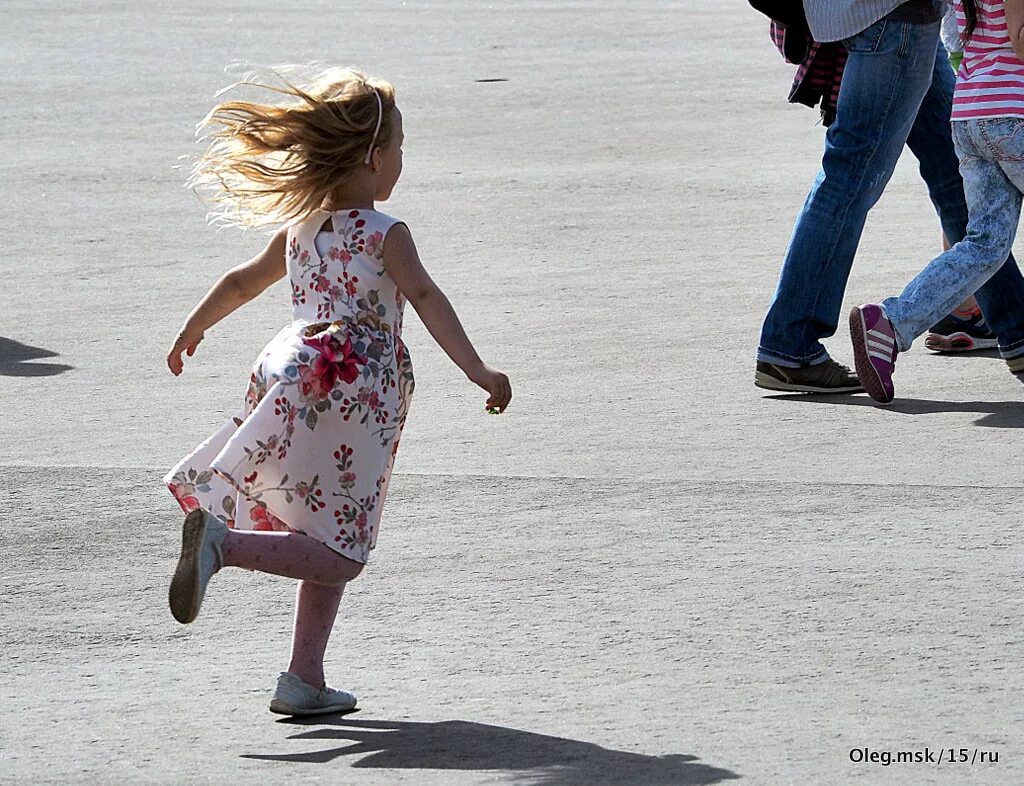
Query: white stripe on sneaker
878, 335
886, 356
879, 347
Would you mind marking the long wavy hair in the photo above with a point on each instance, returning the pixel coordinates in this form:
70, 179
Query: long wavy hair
971, 12
275, 162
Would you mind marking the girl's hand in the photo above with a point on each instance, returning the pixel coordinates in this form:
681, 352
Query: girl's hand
495, 383
183, 343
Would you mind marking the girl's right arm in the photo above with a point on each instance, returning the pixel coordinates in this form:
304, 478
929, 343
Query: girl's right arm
1015, 25
235, 288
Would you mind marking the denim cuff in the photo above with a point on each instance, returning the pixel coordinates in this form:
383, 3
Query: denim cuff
791, 361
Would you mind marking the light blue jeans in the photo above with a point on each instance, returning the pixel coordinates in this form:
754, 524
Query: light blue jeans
991, 154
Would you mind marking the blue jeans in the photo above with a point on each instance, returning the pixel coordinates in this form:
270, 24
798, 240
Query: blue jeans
895, 91
991, 155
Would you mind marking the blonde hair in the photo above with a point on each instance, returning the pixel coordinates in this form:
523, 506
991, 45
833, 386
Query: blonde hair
271, 163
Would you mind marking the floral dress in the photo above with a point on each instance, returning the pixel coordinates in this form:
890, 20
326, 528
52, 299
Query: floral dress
313, 448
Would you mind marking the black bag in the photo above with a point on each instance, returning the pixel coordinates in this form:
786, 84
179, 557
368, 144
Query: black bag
791, 14
788, 12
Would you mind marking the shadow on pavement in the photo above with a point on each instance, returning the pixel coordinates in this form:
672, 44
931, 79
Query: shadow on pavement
972, 355
461, 745
13, 355
997, 414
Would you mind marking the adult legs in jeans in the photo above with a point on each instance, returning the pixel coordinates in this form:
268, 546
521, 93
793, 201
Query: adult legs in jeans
993, 182
888, 73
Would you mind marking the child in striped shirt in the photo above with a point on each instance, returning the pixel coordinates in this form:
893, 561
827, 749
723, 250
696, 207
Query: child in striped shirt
988, 132
965, 329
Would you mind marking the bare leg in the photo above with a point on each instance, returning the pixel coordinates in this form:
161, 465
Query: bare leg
316, 607
967, 309
290, 554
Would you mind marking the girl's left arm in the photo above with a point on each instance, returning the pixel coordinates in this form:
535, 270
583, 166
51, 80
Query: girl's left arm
1015, 25
235, 288
402, 263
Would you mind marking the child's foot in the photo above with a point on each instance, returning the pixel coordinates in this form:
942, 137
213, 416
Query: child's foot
1016, 364
874, 350
295, 697
201, 539
960, 332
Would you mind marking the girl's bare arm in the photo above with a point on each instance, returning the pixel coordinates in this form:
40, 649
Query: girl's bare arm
1015, 25
402, 263
235, 288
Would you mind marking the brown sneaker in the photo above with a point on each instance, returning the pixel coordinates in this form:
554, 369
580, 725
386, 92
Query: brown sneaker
827, 377
1016, 364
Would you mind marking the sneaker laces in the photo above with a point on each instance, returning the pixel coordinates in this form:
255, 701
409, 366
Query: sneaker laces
837, 371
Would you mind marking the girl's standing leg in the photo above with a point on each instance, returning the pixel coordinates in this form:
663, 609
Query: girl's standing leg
316, 607
322, 574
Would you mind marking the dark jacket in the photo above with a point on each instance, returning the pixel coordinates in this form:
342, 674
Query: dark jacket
818, 75
819, 66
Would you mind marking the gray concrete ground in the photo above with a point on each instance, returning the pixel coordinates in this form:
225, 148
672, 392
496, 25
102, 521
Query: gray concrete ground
646, 572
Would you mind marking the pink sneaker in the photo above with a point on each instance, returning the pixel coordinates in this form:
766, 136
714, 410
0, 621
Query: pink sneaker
874, 350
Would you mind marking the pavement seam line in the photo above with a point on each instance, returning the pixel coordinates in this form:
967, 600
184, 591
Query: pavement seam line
588, 478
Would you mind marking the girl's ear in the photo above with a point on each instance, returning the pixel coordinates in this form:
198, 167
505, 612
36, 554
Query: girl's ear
375, 160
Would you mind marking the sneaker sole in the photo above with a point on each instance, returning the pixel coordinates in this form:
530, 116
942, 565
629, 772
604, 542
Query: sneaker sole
279, 707
768, 382
183, 597
957, 342
866, 372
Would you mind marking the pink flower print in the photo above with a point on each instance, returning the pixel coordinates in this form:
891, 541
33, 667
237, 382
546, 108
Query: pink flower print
187, 501
361, 520
374, 243
334, 360
347, 480
301, 490
316, 385
321, 283
350, 285
339, 254
260, 518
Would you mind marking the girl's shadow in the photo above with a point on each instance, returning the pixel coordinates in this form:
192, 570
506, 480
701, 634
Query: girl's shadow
461, 745
13, 355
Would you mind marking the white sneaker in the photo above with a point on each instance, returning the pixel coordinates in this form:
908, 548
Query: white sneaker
201, 539
295, 697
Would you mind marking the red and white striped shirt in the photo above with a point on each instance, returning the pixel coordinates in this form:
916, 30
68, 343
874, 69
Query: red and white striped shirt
990, 82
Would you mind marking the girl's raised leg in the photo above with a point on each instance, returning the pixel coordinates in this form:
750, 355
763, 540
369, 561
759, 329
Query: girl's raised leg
290, 554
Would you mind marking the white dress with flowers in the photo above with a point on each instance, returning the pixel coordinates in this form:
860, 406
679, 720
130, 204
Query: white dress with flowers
314, 446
